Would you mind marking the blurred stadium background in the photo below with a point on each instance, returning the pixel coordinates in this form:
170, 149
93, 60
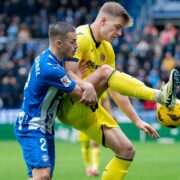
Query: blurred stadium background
148, 51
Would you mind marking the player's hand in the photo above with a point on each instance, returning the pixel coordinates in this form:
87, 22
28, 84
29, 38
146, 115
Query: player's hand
89, 96
148, 129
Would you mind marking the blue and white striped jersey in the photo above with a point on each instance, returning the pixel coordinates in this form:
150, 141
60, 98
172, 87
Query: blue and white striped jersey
46, 83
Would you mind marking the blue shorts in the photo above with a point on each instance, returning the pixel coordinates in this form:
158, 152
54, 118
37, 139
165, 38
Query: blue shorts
38, 150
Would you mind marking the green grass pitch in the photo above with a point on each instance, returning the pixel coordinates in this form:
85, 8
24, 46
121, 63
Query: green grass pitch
153, 161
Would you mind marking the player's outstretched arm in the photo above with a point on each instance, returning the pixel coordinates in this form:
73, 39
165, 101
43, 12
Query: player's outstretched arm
124, 103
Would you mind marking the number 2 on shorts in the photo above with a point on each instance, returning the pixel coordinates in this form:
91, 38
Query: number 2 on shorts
43, 144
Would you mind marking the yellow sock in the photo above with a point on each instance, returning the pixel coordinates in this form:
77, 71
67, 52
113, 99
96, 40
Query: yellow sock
116, 169
130, 86
85, 153
95, 157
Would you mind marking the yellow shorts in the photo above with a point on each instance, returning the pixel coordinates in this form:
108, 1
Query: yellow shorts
81, 117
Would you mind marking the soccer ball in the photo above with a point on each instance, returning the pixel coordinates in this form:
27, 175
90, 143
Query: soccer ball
169, 118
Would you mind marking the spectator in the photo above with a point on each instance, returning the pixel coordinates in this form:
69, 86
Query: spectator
20, 26
168, 63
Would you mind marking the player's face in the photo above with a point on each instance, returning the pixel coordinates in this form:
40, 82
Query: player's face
111, 28
69, 45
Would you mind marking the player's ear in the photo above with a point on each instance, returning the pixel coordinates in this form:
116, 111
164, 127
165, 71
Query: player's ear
103, 20
58, 43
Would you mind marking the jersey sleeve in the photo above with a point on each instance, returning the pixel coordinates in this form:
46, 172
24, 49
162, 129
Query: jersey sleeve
57, 77
82, 42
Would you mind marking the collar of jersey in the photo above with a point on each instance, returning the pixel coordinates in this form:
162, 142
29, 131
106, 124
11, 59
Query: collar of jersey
55, 59
96, 43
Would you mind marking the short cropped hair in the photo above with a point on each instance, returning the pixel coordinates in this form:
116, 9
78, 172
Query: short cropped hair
115, 9
60, 29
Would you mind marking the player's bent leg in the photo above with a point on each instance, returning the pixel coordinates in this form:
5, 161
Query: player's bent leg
116, 140
41, 174
127, 85
130, 86
106, 76
99, 78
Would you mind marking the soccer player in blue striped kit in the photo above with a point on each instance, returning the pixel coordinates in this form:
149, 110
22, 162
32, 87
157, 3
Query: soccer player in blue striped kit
46, 84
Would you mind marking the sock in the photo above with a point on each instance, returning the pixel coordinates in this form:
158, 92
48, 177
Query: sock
85, 153
130, 86
158, 97
116, 169
95, 157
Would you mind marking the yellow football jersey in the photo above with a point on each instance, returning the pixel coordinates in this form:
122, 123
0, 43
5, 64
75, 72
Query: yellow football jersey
92, 53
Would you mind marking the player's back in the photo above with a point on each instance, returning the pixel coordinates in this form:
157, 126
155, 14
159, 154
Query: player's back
37, 89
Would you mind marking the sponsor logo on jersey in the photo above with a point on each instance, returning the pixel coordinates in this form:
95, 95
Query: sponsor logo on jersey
102, 57
92, 65
65, 81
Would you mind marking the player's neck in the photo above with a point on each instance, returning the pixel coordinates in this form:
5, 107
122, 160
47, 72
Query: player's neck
54, 51
95, 31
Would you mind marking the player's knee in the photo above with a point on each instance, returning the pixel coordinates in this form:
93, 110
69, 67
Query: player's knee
127, 151
44, 176
131, 152
41, 174
105, 71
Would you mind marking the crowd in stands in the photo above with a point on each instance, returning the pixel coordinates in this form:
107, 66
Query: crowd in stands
148, 55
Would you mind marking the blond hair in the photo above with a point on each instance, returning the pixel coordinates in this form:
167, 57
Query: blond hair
115, 9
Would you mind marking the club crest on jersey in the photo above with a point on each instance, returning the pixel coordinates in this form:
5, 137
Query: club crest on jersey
66, 81
102, 57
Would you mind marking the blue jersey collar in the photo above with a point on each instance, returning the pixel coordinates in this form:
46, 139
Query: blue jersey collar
61, 63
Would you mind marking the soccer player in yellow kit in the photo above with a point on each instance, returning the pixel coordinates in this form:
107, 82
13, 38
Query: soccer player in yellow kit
95, 51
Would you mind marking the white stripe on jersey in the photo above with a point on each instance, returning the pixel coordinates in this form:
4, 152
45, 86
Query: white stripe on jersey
52, 91
36, 123
46, 112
